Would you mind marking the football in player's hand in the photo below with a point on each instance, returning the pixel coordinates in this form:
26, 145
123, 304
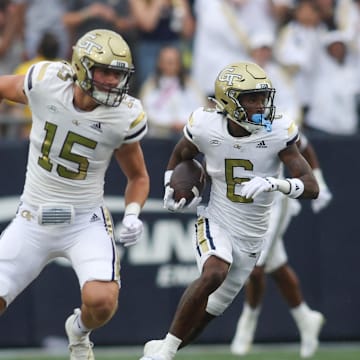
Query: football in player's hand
188, 180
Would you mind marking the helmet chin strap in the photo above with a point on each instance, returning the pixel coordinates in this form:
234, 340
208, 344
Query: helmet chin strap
259, 119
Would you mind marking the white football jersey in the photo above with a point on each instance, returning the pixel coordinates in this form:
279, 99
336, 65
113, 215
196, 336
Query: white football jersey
233, 160
70, 149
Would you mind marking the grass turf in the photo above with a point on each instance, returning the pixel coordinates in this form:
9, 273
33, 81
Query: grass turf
273, 352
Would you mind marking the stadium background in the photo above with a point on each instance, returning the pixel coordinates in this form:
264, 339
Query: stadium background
323, 249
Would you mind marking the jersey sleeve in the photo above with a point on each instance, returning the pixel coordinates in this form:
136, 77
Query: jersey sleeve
39, 78
194, 129
293, 133
29, 80
138, 126
286, 132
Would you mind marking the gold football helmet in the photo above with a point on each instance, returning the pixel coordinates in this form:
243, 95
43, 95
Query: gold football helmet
243, 78
107, 50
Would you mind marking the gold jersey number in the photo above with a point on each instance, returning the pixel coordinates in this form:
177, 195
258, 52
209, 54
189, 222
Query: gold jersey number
232, 181
66, 153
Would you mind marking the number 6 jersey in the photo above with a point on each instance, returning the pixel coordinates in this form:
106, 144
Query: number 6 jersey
70, 149
230, 161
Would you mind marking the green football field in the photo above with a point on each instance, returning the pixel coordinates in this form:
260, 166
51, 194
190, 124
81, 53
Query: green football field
271, 352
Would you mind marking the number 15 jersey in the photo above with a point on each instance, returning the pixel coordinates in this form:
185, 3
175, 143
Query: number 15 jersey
70, 149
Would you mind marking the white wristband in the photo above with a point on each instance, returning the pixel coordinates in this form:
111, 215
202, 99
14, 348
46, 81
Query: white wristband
296, 188
291, 187
132, 209
167, 177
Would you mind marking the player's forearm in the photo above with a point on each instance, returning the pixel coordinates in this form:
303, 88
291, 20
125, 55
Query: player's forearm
137, 190
310, 155
184, 150
311, 187
11, 88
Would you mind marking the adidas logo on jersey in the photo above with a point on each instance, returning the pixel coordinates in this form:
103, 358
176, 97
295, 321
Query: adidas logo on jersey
96, 126
94, 218
52, 108
261, 144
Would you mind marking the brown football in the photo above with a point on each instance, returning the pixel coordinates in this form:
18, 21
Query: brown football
188, 179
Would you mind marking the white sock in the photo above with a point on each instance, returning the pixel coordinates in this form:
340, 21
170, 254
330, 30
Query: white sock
79, 329
247, 313
251, 311
171, 344
300, 312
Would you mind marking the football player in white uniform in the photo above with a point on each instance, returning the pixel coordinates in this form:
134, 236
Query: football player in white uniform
244, 145
274, 261
81, 116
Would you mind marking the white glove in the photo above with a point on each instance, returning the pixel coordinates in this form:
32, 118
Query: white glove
325, 195
194, 202
131, 230
170, 203
322, 200
257, 185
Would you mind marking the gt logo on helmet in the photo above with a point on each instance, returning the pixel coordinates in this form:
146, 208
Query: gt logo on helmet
89, 45
229, 78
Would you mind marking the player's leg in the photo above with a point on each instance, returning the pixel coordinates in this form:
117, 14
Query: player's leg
219, 301
288, 285
247, 322
22, 254
255, 286
190, 316
99, 302
154, 346
192, 306
95, 311
208, 296
309, 322
192, 324
94, 258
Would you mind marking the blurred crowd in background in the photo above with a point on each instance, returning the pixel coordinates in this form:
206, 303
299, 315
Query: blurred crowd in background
309, 48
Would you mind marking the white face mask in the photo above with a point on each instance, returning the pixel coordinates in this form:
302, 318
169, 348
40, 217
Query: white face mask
101, 96
111, 96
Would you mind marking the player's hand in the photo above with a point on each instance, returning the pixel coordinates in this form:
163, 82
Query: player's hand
194, 202
325, 195
169, 201
131, 230
322, 200
256, 186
